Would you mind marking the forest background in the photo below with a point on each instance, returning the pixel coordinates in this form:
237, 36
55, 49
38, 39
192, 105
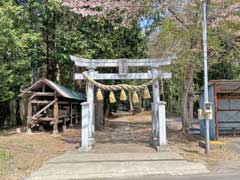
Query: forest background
37, 37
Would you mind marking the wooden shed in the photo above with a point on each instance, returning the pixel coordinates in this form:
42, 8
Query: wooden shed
52, 104
225, 98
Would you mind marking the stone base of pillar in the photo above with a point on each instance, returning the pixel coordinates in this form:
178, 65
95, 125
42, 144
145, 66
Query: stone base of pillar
154, 142
85, 149
64, 128
55, 133
71, 125
92, 141
76, 121
161, 148
29, 131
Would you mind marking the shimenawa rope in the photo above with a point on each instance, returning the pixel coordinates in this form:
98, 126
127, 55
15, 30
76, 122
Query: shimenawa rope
120, 86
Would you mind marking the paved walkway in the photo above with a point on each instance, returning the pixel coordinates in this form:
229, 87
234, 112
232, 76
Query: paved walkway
76, 165
220, 176
123, 150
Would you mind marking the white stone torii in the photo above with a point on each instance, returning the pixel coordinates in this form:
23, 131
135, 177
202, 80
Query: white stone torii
158, 107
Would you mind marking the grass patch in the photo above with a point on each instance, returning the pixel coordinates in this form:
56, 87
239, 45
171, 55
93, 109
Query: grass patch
6, 164
3, 132
4, 155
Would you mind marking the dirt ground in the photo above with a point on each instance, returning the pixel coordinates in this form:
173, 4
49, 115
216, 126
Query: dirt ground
20, 154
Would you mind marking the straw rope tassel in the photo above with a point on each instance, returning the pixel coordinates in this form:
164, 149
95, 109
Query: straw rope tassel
135, 98
112, 98
99, 95
146, 93
123, 96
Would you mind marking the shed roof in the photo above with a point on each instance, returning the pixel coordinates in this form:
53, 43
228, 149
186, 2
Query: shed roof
61, 90
226, 85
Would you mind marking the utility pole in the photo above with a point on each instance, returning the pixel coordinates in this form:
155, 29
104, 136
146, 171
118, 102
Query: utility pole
204, 26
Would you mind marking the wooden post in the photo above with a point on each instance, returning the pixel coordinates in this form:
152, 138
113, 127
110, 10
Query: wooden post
90, 100
29, 117
64, 127
55, 113
156, 99
71, 118
216, 110
44, 88
234, 132
76, 116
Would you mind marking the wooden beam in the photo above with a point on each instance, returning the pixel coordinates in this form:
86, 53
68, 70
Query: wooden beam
63, 102
81, 62
229, 97
29, 117
67, 103
39, 102
229, 91
46, 119
34, 94
115, 76
55, 114
43, 94
228, 109
229, 125
71, 119
44, 108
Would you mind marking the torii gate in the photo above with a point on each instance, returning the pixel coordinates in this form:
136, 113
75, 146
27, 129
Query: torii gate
158, 107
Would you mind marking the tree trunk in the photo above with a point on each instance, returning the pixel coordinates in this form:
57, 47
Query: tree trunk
58, 73
13, 112
187, 99
107, 111
184, 99
99, 115
185, 106
190, 104
130, 101
51, 44
23, 106
140, 100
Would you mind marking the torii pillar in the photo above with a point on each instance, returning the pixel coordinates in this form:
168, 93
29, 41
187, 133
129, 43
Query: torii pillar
90, 100
156, 100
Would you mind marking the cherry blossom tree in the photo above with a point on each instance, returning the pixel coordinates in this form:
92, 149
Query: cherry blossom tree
124, 11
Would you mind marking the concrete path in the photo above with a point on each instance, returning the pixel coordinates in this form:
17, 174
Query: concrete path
123, 150
220, 176
75, 165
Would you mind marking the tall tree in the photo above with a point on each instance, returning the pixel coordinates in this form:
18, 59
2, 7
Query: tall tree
61, 33
180, 32
16, 39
